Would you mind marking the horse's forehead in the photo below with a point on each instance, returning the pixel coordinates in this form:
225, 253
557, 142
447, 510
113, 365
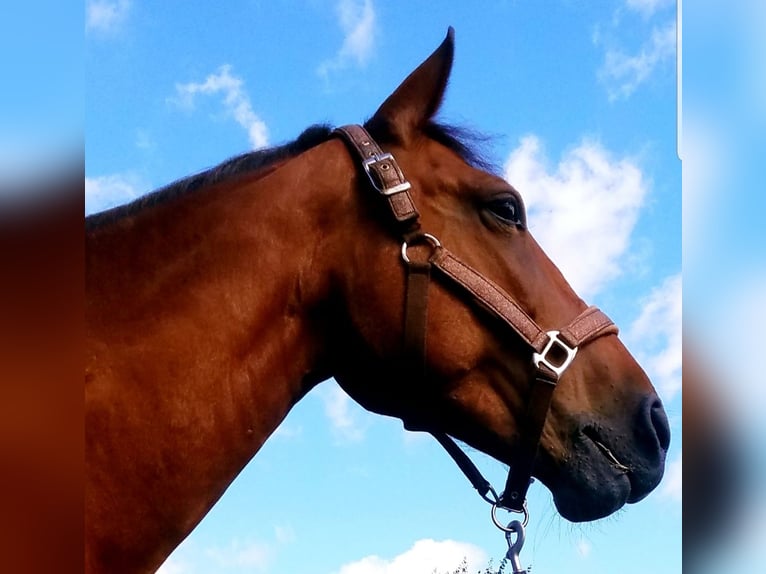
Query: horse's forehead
439, 168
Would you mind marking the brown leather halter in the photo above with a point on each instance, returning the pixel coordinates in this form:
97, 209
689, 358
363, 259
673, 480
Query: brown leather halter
387, 179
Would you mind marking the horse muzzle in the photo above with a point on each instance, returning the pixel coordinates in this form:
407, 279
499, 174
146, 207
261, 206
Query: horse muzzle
608, 466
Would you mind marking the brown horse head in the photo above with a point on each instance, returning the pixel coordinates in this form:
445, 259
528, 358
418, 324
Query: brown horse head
218, 302
606, 435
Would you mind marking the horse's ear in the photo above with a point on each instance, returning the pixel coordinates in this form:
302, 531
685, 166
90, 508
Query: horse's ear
418, 98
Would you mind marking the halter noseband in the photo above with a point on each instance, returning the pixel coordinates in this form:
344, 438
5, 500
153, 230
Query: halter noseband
387, 179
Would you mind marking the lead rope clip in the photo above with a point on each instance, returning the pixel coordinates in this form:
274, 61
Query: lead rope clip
514, 546
514, 536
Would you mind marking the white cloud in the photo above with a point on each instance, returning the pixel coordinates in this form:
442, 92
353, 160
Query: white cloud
235, 101
623, 73
108, 191
252, 555
648, 8
343, 413
657, 334
582, 211
425, 556
357, 20
104, 16
672, 484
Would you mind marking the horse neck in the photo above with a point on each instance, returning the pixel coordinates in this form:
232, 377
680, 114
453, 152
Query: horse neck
205, 326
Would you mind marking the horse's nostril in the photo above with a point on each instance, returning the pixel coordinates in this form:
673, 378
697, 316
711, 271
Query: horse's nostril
659, 421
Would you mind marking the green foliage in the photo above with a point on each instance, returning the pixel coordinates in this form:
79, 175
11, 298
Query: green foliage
488, 569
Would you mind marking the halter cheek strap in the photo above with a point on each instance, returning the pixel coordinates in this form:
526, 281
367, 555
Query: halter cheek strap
552, 351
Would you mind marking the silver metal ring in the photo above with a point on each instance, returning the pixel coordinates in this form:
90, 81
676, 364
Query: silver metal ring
500, 525
435, 243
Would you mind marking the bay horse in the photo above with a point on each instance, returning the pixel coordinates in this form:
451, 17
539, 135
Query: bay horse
216, 303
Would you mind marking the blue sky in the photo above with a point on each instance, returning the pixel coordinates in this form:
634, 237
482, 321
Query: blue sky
580, 101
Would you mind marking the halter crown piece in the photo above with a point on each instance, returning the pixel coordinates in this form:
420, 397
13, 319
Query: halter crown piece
547, 347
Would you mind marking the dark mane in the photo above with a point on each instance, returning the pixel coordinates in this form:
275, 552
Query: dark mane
460, 140
467, 143
244, 163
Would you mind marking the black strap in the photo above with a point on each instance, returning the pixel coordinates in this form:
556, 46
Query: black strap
520, 474
465, 464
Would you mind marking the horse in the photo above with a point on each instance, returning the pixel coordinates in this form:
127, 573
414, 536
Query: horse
385, 256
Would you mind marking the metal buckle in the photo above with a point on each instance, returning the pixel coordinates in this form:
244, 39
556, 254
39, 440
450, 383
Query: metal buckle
377, 158
435, 244
542, 358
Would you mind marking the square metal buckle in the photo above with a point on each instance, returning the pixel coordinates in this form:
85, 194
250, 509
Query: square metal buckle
378, 158
542, 358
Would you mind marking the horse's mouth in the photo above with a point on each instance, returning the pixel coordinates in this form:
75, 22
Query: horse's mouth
590, 433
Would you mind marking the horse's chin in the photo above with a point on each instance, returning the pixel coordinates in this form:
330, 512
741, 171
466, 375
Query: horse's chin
583, 503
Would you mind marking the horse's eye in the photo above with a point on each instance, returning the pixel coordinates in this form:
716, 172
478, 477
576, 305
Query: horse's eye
507, 209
